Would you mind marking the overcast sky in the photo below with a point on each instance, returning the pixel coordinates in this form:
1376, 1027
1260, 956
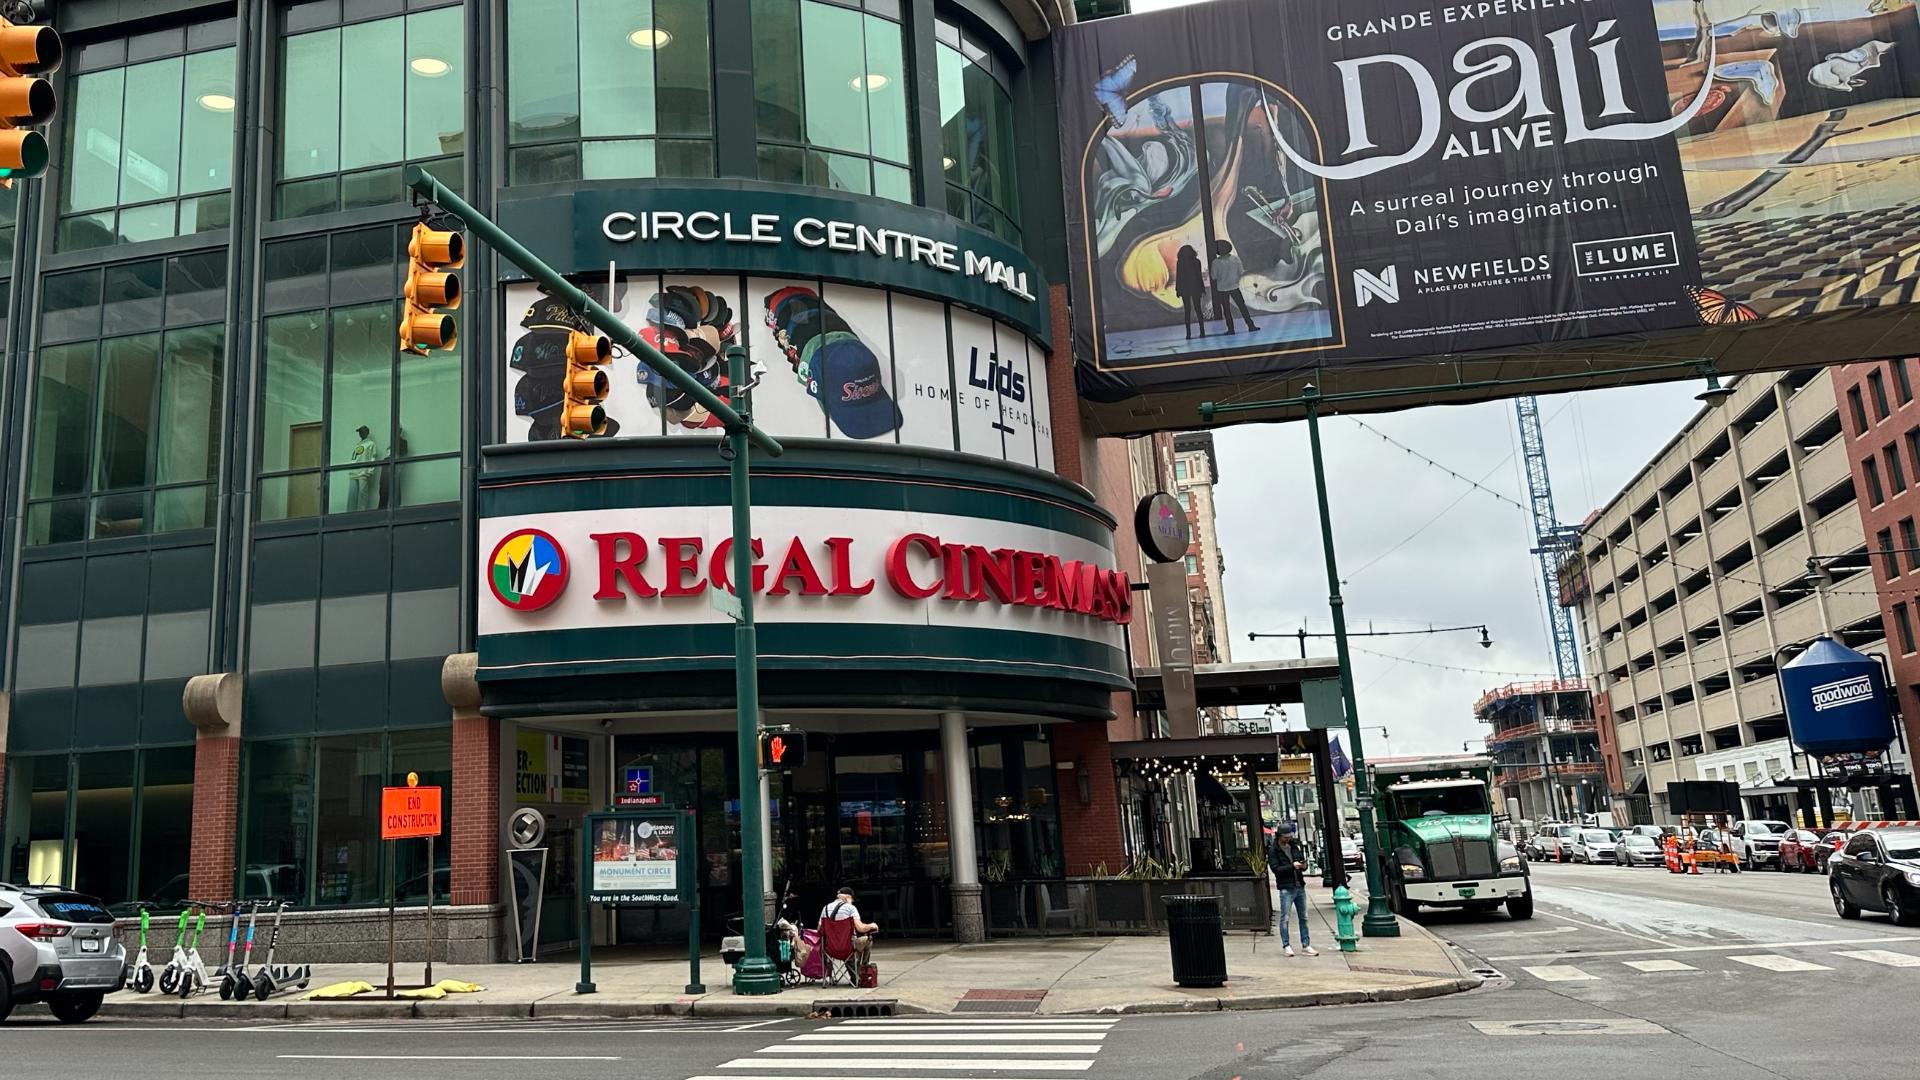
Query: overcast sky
1408, 559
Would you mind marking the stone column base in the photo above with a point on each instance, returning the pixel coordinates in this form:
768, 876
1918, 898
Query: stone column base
969, 920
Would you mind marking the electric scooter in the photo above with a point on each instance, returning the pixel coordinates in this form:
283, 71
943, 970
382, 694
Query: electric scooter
193, 973
170, 975
233, 944
140, 972
242, 985
270, 978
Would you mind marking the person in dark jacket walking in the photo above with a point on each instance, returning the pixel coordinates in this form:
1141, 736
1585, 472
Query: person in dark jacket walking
1288, 864
1190, 284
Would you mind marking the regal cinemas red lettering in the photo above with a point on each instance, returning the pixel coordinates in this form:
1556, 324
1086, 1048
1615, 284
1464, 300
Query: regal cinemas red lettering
918, 567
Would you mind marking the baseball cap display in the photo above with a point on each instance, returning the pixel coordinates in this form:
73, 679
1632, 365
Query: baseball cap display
838, 369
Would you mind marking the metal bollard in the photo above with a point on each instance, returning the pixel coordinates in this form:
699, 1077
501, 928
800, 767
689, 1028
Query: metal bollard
1344, 910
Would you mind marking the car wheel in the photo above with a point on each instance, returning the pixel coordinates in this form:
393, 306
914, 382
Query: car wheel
1749, 863
1903, 911
1842, 906
6, 993
1520, 907
75, 1008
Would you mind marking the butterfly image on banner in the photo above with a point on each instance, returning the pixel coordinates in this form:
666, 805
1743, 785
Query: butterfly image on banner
1111, 90
1715, 308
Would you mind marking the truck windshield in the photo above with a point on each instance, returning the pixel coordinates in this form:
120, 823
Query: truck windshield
1437, 802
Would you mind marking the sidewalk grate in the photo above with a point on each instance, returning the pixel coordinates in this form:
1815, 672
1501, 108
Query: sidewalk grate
1000, 1001
860, 1008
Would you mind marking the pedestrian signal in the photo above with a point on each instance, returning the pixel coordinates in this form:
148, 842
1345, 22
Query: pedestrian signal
783, 748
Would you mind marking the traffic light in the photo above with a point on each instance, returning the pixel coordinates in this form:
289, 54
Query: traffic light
586, 386
783, 748
431, 256
26, 99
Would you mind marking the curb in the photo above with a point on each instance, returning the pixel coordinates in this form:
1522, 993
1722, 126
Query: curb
570, 1006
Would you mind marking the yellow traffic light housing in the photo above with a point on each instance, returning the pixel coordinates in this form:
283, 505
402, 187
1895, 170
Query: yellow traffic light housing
432, 290
586, 386
26, 99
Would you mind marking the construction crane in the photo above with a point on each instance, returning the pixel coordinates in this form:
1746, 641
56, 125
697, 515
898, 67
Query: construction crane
1554, 541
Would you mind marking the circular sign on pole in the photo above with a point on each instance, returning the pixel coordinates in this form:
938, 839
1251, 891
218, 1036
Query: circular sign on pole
526, 828
1161, 527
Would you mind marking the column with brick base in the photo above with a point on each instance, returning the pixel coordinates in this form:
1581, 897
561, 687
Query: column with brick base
212, 704
474, 817
1089, 823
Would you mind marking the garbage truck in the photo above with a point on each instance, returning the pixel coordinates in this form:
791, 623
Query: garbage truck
1437, 844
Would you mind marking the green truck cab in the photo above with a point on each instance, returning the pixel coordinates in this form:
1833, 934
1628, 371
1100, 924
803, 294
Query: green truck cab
1439, 847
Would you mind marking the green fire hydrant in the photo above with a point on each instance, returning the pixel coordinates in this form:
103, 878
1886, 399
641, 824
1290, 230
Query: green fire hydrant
1345, 909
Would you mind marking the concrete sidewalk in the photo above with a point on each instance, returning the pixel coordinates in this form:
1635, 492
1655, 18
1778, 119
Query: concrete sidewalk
1066, 974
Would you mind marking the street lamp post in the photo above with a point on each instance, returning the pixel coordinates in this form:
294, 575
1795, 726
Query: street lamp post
1302, 634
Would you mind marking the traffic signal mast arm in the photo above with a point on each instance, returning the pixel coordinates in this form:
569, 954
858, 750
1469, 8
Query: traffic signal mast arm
423, 184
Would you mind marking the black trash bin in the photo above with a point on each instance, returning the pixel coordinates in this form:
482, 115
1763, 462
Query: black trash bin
1195, 938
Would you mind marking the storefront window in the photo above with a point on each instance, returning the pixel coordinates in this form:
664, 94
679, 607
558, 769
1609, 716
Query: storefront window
831, 96
348, 423
36, 819
360, 101
115, 796
149, 150
976, 136
126, 433
166, 826
874, 842
103, 825
608, 89
1018, 818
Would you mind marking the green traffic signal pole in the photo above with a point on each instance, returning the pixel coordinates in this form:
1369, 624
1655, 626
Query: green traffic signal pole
756, 973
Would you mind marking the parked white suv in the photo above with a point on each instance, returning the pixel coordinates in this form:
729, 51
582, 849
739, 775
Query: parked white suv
58, 947
1757, 843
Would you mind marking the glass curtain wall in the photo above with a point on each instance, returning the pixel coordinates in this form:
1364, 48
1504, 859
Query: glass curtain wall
831, 96
149, 138
607, 89
978, 155
363, 96
73, 820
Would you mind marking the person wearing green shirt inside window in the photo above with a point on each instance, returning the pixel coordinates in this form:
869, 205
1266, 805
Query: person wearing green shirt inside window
360, 490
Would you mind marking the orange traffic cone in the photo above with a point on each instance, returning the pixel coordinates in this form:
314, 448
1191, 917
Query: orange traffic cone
1693, 864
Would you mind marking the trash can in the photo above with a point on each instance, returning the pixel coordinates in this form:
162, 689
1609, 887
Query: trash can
1195, 938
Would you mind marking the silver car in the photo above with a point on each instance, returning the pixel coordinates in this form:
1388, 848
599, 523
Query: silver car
58, 947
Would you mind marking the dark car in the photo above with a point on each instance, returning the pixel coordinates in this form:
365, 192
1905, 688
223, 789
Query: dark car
1829, 846
1879, 871
1797, 854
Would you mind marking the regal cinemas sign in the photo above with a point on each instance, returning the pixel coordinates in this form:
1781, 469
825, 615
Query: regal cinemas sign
661, 565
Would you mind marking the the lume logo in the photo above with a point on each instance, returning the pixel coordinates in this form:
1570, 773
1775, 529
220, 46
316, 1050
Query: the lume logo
1384, 286
527, 570
1844, 692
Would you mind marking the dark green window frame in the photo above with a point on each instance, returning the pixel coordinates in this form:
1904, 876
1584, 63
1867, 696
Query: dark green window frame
832, 115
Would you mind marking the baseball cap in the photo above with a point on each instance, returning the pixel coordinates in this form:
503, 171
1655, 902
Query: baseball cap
852, 391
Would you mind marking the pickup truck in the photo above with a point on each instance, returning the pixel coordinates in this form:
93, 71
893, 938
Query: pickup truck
1757, 843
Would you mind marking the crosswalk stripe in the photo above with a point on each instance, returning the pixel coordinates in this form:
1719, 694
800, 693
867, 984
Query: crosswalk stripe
1776, 962
924, 1063
1659, 965
790, 1076
966, 1022
1559, 973
1882, 956
921, 1048
952, 1036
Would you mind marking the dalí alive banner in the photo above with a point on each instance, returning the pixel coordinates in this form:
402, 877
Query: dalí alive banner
1262, 192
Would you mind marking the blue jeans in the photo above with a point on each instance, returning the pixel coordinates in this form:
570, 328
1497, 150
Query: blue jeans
1294, 896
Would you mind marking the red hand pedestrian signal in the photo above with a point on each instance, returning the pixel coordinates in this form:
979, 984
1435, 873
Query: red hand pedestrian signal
783, 748
776, 750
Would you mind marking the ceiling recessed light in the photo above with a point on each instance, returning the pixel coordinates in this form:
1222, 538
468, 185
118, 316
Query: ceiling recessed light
946, 163
431, 67
649, 37
216, 102
869, 82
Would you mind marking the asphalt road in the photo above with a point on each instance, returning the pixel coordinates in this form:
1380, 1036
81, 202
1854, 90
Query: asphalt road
1621, 973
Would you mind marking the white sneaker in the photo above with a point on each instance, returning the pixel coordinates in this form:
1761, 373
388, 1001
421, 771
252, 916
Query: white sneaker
1289, 950
1310, 951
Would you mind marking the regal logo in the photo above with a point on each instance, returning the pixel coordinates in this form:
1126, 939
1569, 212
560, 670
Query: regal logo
528, 570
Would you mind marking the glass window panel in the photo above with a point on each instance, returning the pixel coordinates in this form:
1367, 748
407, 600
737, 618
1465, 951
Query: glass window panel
429, 405
953, 103
836, 78
365, 266
166, 826
426, 482
206, 213
133, 297
197, 288
206, 130
70, 305
375, 187
306, 198
189, 429
544, 164
102, 849
176, 644
426, 622
683, 157
352, 771
57, 522
357, 10
281, 636
361, 387
208, 34
182, 508
123, 514
295, 273
168, 42
783, 164
435, 85
356, 488
277, 819
296, 348
46, 654
310, 104
429, 753
286, 497
63, 414
353, 629
541, 103
110, 650
840, 172
614, 160
370, 126
685, 73
155, 221
776, 72
93, 142
150, 154
618, 43
36, 819
892, 182
129, 371
886, 83
85, 231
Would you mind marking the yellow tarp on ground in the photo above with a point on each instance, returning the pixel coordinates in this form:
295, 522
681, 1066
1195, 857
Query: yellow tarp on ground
435, 992
340, 990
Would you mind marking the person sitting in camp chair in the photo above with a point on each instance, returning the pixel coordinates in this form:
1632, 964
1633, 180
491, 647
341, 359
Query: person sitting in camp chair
846, 939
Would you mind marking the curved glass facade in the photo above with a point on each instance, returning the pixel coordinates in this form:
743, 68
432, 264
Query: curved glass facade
830, 96
978, 155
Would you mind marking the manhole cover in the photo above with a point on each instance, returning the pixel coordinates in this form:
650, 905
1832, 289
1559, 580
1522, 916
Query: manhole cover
1000, 1001
1567, 1027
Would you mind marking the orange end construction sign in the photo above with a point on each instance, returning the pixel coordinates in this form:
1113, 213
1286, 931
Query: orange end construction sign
408, 812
